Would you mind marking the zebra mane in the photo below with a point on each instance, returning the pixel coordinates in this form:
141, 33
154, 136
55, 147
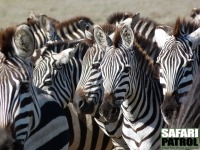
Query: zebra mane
117, 38
6, 40
141, 48
118, 17
108, 28
183, 26
72, 21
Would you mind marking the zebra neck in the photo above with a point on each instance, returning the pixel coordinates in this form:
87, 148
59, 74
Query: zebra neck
144, 92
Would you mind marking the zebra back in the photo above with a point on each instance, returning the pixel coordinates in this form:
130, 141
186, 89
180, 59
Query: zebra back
73, 28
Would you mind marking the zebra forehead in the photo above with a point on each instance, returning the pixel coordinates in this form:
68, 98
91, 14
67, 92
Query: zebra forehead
184, 26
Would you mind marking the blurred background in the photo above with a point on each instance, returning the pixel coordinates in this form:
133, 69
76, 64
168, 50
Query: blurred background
163, 11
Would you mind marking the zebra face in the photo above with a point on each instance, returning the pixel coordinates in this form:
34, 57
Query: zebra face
178, 62
116, 78
89, 89
19, 101
48, 65
116, 69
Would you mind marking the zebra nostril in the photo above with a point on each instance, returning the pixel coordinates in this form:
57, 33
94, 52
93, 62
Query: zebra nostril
81, 104
114, 111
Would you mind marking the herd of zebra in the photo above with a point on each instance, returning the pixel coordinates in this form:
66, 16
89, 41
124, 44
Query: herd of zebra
113, 86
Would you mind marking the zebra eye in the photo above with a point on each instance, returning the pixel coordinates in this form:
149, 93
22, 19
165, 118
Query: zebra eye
24, 87
48, 82
95, 65
127, 69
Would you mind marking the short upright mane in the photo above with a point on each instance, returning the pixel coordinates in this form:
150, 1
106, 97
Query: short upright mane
183, 26
118, 16
143, 57
6, 40
72, 21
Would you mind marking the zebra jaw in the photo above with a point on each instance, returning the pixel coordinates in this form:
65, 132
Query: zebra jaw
194, 37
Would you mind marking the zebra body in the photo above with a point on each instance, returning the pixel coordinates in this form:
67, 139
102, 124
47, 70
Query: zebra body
129, 84
179, 61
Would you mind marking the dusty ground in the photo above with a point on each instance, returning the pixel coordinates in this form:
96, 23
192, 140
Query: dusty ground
163, 11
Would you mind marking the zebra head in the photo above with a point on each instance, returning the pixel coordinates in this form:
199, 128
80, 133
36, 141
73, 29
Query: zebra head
43, 29
115, 68
195, 14
178, 60
49, 64
19, 104
89, 89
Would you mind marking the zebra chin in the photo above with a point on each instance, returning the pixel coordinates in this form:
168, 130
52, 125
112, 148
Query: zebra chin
110, 114
170, 107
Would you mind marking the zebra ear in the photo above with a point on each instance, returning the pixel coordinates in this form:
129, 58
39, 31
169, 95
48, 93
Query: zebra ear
33, 16
161, 37
194, 37
127, 36
48, 26
102, 40
23, 41
64, 56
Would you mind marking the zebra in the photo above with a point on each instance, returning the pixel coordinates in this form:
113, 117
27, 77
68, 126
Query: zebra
178, 62
189, 115
130, 84
22, 105
195, 14
60, 82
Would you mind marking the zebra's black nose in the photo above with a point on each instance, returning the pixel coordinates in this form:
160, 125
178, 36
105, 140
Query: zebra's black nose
114, 111
86, 107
